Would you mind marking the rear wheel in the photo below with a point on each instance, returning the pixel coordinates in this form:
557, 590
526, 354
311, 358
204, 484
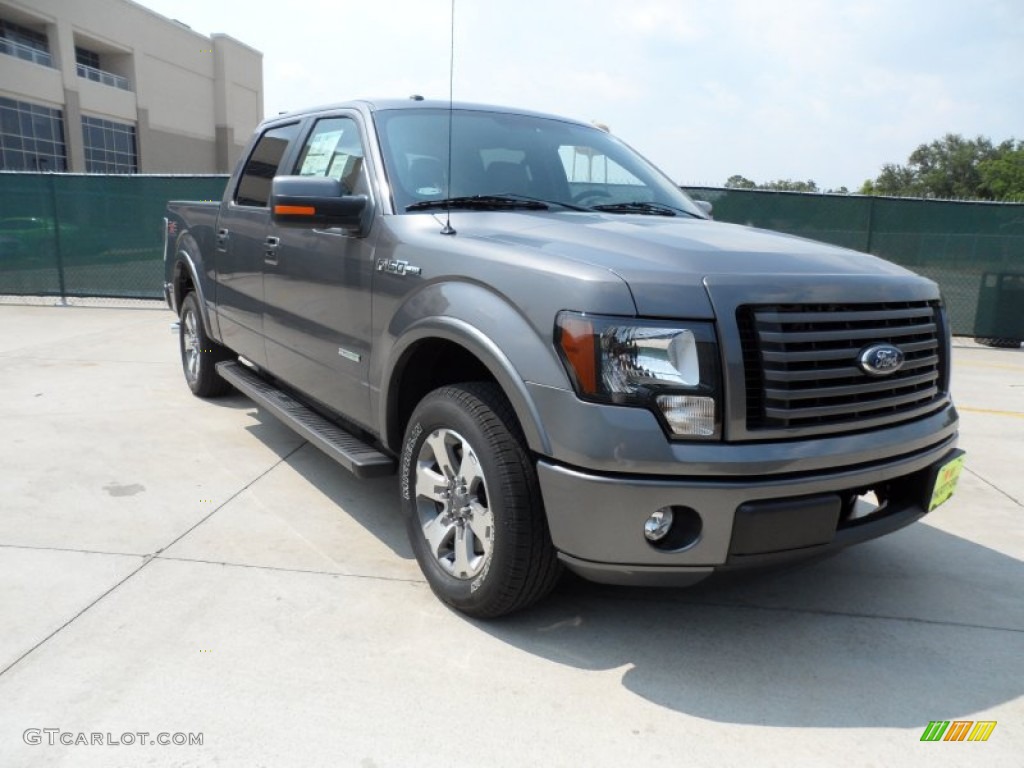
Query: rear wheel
472, 503
199, 353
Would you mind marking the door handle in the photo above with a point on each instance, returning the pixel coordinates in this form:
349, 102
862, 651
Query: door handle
222, 238
270, 249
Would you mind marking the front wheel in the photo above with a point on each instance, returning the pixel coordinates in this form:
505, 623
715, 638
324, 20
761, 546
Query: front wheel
199, 353
472, 503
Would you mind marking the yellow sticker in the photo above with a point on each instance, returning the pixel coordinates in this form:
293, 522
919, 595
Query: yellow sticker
945, 481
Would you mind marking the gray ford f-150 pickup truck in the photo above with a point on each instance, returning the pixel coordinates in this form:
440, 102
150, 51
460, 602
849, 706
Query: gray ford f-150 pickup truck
562, 356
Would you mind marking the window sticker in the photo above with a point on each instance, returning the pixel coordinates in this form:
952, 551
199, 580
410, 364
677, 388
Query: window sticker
320, 153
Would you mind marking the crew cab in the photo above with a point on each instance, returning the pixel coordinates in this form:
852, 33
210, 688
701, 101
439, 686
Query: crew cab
566, 361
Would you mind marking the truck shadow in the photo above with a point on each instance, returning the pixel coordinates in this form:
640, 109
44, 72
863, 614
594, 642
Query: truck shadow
234, 400
372, 503
919, 626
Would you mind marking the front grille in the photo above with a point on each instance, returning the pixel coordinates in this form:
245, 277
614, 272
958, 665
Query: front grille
800, 363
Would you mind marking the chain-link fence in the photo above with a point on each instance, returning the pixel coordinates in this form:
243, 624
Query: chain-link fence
74, 235
973, 250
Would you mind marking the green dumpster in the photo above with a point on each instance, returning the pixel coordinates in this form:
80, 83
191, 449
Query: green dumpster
1000, 318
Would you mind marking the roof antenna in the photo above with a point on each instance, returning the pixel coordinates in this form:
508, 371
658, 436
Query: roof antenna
448, 230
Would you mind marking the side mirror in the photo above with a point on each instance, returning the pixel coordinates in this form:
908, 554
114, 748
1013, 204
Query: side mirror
705, 206
315, 200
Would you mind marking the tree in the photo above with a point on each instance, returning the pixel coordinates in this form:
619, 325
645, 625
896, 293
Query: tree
1003, 176
955, 167
783, 185
893, 180
739, 182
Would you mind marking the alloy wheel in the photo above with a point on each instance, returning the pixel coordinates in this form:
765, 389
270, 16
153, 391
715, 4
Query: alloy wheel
451, 501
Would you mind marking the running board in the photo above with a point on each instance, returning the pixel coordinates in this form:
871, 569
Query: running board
353, 454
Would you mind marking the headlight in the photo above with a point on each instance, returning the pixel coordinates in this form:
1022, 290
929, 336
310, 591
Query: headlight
667, 367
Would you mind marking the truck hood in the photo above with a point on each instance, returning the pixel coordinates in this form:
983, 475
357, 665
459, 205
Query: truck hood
670, 264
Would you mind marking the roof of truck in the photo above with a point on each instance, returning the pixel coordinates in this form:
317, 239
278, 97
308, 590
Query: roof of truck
414, 102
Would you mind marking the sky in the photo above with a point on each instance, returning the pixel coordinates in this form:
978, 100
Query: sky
828, 90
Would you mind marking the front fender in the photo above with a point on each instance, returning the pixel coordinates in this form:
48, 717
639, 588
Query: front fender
487, 326
486, 351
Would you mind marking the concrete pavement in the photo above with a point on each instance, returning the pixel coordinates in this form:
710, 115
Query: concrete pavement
169, 565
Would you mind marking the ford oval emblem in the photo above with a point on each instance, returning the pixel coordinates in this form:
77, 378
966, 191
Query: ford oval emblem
881, 359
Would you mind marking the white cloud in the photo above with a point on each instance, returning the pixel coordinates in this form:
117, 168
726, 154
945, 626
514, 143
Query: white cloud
788, 88
663, 18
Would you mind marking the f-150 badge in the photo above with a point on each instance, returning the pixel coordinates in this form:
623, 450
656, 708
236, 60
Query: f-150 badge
393, 267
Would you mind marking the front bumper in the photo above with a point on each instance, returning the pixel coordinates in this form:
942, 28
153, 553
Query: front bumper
596, 520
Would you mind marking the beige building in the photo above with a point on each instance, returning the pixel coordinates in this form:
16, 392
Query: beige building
107, 86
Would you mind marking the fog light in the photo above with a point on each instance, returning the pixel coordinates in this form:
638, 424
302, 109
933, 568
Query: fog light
688, 414
658, 524
673, 529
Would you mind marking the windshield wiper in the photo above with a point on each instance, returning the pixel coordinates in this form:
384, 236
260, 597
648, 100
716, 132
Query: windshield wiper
481, 203
638, 206
570, 206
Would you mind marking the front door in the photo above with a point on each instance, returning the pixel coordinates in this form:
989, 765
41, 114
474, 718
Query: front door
317, 284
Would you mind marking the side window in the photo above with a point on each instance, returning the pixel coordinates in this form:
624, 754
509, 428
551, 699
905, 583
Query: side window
261, 167
335, 149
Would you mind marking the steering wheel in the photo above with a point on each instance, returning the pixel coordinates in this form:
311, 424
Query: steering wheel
579, 197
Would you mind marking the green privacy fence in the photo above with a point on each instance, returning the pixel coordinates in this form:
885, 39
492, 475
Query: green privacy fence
973, 250
88, 235
91, 235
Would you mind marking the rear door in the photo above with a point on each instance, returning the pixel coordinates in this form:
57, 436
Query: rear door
242, 231
317, 319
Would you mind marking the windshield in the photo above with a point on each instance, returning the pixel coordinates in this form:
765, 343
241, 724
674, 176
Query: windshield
497, 153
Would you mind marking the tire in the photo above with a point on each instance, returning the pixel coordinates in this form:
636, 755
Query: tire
998, 343
472, 502
199, 353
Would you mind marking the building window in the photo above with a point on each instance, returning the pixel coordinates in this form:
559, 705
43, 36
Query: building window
88, 65
109, 146
24, 43
31, 137
86, 57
